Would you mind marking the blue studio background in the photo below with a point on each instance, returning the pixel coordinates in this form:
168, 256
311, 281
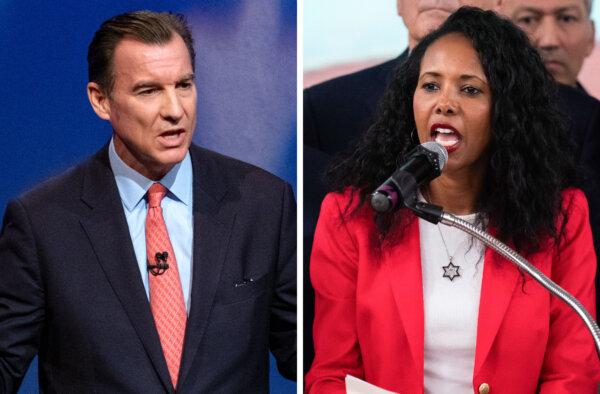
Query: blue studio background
246, 81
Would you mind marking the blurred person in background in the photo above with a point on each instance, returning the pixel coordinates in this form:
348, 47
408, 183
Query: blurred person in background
561, 30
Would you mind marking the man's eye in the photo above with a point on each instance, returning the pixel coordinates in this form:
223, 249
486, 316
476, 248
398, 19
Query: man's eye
567, 18
147, 92
185, 85
525, 20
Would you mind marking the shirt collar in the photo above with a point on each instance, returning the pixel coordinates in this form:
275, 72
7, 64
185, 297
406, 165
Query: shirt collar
133, 186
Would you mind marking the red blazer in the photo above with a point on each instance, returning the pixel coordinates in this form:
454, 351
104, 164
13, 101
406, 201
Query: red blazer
369, 310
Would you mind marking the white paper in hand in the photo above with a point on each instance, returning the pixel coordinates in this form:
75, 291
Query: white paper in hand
357, 386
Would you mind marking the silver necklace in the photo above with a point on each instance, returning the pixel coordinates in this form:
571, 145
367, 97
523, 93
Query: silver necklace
451, 271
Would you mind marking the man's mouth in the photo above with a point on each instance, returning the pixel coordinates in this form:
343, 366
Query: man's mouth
442, 8
553, 64
172, 138
551, 59
446, 135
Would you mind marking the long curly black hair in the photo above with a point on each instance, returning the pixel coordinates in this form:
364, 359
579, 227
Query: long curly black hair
531, 153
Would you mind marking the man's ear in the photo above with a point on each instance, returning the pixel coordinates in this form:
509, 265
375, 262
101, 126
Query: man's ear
99, 100
399, 7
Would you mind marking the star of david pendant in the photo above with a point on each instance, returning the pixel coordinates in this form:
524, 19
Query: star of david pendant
451, 271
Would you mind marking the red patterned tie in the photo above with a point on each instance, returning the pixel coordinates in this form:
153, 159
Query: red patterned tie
166, 296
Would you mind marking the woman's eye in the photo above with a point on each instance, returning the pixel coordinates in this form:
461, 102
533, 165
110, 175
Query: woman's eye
470, 90
430, 86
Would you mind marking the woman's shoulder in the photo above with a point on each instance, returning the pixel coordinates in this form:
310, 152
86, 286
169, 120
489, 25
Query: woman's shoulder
575, 203
573, 193
574, 218
347, 200
347, 207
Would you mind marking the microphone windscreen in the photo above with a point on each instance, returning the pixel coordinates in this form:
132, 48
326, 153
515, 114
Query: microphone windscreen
439, 150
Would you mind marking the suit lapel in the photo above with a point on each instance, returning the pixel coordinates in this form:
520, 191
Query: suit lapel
406, 280
107, 230
498, 284
212, 229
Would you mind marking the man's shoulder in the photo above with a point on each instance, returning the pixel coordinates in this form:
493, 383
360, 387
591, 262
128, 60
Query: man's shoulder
359, 80
339, 110
577, 97
212, 166
583, 112
66, 185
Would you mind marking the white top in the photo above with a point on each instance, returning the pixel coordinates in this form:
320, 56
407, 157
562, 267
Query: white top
451, 307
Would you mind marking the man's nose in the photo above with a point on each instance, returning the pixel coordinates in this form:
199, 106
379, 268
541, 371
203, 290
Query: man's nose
547, 35
172, 109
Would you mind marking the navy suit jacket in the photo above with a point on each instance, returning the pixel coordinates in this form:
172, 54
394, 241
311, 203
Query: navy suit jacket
71, 290
338, 111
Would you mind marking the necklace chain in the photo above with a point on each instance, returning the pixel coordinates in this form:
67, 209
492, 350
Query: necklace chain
450, 258
451, 271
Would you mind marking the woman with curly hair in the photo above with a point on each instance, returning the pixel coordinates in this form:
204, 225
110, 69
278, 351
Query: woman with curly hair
415, 307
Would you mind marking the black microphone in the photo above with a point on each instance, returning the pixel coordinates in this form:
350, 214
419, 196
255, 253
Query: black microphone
423, 163
161, 264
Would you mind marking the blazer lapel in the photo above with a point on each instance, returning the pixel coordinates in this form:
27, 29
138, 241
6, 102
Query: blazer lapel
498, 284
406, 280
212, 229
107, 230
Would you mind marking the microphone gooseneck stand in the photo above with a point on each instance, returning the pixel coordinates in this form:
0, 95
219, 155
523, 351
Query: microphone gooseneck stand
435, 214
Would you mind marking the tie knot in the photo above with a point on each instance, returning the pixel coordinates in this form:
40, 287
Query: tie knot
155, 194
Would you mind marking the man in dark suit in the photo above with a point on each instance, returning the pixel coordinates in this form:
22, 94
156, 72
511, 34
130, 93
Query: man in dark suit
338, 111
155, 265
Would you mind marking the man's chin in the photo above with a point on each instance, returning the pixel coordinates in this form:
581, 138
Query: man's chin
431, 20
172, 157
564, 79
560, 72
157, 166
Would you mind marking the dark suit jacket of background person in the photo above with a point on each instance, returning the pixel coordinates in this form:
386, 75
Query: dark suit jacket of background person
337, 111
71, 288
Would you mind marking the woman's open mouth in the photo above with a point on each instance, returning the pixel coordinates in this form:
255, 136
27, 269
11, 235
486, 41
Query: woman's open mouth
446, 135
